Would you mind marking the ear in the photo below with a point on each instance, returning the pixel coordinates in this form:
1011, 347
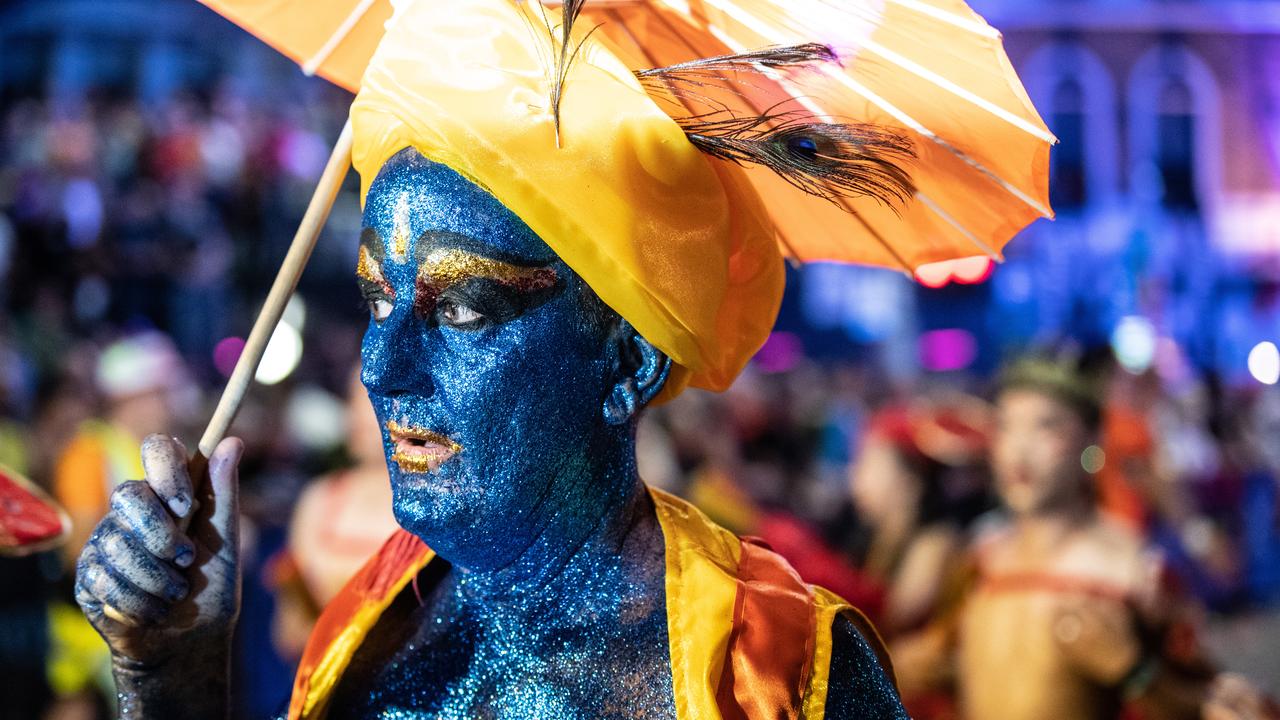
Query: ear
640, 371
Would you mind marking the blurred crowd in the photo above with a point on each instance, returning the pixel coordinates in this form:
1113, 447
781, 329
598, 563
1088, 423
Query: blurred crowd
1135, 522
1066, 539
135, 244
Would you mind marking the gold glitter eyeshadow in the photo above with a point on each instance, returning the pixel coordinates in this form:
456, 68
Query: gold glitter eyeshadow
365, 266
443, 268
368, 269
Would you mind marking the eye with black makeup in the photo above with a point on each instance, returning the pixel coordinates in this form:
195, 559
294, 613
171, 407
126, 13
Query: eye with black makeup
480, 302
377, 300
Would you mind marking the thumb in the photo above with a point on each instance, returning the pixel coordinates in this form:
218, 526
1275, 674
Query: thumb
221, 504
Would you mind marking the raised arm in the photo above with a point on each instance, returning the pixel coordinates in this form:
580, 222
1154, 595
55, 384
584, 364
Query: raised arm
165, 600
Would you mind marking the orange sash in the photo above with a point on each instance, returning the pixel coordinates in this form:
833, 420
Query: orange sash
748, 638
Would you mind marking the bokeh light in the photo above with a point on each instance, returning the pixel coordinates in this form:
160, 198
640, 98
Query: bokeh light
972, 271
226, 353
780, 353
1134, 344
964, 271
295, 313
1093, 459
1264, 363
948, 350
284, 352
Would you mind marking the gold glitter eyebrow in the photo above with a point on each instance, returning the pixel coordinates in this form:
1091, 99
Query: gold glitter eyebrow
445, 267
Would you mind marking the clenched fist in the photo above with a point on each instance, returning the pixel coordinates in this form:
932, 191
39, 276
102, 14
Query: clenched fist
160, 580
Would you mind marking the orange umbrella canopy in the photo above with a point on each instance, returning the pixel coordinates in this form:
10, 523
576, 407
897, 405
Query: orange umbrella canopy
932, 70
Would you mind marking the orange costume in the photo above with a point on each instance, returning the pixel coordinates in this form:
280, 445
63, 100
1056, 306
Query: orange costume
748, 638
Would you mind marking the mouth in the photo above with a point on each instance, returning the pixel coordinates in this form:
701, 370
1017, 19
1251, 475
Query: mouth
419, 450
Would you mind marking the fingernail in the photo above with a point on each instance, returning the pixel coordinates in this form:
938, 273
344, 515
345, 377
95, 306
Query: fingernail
177, 592
186, 554
180, 504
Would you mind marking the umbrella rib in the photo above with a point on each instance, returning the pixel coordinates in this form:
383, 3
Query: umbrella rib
973, 26
915, 125
925, 73
906, 266
917, 69
946, 216
790, 90
339, 34
650, 60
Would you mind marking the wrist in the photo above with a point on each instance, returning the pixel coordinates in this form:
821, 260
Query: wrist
189, 685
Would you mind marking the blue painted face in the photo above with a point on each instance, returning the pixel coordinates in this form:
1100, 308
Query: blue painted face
488, 368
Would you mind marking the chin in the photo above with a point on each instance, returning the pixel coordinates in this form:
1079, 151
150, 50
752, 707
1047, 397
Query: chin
1021, 501
420, 499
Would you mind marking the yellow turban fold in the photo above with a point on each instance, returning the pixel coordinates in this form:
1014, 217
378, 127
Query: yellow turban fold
675, 242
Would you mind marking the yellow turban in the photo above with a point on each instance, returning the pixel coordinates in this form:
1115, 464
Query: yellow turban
675, 242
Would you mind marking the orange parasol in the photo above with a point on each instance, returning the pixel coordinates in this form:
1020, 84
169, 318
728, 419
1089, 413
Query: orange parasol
932, 69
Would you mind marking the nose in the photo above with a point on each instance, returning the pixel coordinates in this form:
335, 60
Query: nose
394, 357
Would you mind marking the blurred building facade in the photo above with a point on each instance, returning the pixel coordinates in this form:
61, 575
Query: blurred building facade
1167, 189
1167, 181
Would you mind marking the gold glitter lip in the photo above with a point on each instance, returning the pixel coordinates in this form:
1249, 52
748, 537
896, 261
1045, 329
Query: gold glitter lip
420, 463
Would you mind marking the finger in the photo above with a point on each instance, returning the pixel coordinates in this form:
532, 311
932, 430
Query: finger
85, 599
165, 461
126, 557
220, 503
141, 514
110, 590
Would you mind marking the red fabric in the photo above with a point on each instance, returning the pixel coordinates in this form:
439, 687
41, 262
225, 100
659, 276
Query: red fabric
370, 584
771, 644
897, 426
819, 564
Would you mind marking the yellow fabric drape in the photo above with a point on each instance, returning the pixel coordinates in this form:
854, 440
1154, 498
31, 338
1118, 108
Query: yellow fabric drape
676, 243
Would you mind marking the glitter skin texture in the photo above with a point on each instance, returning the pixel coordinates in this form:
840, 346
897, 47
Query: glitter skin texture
858, 688
522, 397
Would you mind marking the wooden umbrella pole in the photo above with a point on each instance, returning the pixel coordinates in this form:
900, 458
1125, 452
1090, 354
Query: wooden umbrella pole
304, 241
